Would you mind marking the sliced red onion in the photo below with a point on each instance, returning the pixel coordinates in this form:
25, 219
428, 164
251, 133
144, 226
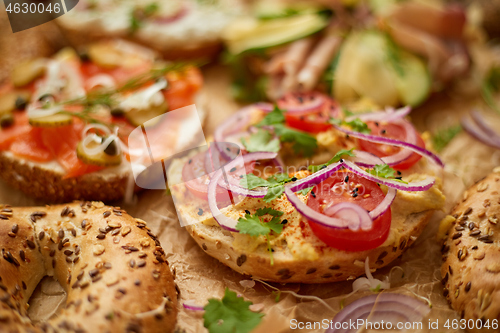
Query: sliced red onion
224, 221
422, 185
393, 142
312, 103
479, 129
389, 115
387, 307
266, 107
192, 307
315, 178
232, 125
365, 159
384, 205
349, 214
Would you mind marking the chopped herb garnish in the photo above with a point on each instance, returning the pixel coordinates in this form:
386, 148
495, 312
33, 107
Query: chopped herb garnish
303, 143
444, 136
252, 225
356, 125
262, 140
340, 154
385, 171
231, 314
275, 184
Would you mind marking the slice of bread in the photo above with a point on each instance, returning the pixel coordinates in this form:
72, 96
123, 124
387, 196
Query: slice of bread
306, 259
195, 34
471, 254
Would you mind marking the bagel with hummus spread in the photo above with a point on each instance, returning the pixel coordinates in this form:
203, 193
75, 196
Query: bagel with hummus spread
66, 120
471, 264
309, 219
112, 267
178, 29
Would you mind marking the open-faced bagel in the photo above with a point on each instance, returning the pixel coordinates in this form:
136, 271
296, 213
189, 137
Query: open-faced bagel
299, 256
111, 265
471, 253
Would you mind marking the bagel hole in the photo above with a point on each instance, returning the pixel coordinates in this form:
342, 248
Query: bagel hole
48, 299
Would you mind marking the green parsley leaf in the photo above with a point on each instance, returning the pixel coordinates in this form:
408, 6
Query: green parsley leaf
151, 9
274, 117
303, 143
261, 141
444, 136
268, 210
253, 226
274, 192
275, 184
340, 154
384, 171
305, 191
358, 125
231, 314
347, 113
251, 181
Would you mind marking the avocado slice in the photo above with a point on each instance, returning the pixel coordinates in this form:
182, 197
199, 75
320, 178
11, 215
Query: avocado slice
253, 34
414, 82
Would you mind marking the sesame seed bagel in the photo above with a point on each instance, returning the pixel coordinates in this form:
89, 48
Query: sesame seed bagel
298, 254
471, 253
112, 267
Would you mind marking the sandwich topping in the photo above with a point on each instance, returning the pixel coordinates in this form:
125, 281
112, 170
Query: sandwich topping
78, 110
357, 200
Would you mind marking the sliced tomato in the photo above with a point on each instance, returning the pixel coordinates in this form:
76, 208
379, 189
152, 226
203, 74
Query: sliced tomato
197, 178
335, 190
392, 131
182, 86
314, 123
30, 146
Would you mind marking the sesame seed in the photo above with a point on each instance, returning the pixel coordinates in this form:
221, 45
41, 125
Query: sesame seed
106, 213
346, 179
61, 234
247, 211
313, 194
22, 255
200, 212
31, 245
15, 228
467, 286
41, 235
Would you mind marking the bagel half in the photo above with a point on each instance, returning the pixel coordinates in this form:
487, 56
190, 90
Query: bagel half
302, 257
112, 267
194, 33
471, 254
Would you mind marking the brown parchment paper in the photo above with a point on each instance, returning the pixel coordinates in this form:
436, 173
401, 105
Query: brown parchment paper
201, 277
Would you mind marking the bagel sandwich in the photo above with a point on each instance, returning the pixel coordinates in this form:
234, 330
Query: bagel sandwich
111, 266
470, 271
178, 29
67, 120
287, 222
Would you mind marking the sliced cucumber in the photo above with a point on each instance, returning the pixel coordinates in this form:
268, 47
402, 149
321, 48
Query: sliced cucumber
11, 100
27, 71
101, 159
138, 117
253, 34
53, 120
363, 70
414, 83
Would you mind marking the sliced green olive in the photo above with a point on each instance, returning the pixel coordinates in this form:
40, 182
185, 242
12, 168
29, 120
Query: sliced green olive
53, 120
27, 71
6, 120
138, 117
101, 159
13, 100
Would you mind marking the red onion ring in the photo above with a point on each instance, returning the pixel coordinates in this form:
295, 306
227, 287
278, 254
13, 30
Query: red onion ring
172, 18
393, 142
263, 106
314, 103
224, 221
479, 129
388, 115
193, 307
232, 125
422, 185
387, 307
345, 208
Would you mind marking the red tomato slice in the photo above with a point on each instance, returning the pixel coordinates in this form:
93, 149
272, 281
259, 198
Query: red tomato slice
196, 178
30, 146
335, 190
314, 123
393, 131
